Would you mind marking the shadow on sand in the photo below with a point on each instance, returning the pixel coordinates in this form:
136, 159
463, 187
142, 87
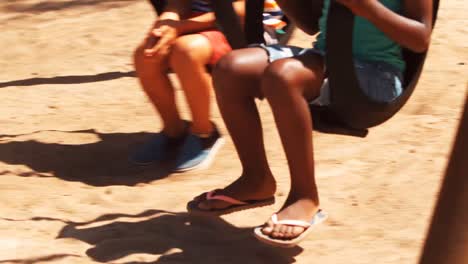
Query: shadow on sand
101, 163
175, 237
42, 259
178, 237
71, 79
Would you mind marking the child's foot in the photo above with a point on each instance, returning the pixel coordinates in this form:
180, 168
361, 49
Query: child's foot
157, 149
301, 209
246, 188
198, 152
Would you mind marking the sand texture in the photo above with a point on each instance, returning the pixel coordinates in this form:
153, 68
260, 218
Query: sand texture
71, 112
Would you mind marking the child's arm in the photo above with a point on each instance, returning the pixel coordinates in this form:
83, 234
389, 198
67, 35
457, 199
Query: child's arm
207, 20
175, 10
412, 31
303, 13
164, 31
171, 24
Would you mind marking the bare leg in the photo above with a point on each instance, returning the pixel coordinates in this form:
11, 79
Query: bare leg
189, 55
152, 74
237, 83
288, 84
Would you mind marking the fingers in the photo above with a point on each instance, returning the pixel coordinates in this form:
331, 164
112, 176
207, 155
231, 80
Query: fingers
154, 39
158, 32
164, 37
149, 43
162, 46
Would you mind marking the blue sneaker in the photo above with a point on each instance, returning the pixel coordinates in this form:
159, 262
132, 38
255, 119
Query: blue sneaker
197, 152
157, 149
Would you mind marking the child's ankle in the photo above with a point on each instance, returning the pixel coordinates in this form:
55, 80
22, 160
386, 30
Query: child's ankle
177, 132
203, 132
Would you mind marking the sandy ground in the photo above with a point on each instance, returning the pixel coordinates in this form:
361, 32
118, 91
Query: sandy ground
71, 112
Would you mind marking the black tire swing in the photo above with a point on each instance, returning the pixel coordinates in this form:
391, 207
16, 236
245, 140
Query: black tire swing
351, 111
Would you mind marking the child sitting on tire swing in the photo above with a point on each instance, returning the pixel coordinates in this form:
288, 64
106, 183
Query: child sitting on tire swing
289, 78
184, 39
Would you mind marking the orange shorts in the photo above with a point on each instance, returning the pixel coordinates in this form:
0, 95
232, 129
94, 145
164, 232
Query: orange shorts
219, 44
218, 41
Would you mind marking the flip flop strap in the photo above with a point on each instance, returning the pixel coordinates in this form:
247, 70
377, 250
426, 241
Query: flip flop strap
299, 223
211, 196
319, 217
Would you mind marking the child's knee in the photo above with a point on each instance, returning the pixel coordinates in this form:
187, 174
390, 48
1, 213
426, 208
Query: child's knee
225, 71
230, 67
142, 61
280, 77
227, 65
183, 51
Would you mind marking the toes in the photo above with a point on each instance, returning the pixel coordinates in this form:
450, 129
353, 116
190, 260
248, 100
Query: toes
277, 231
288, 233
276, 235
212, 204
203, 196
199, 199
282, 231
268, 229
296, 231
204, 205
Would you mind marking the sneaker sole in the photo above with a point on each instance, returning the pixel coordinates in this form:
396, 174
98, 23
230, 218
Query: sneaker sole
208, 161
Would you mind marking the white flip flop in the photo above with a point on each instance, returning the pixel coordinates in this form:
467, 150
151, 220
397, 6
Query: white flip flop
318, 218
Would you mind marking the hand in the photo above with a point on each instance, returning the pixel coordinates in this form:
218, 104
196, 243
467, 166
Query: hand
359, 7
161, 38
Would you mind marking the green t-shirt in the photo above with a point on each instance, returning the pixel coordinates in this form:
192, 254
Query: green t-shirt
369, 43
